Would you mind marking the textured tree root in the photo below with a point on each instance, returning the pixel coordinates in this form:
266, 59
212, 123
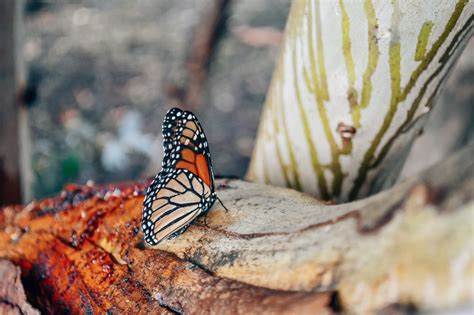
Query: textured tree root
82, 253
274, 251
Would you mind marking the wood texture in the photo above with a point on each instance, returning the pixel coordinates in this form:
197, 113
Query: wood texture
275, 251
81, 252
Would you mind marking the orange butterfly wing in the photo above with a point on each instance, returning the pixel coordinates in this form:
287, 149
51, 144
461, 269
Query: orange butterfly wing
196, 164
184, 188
191, 150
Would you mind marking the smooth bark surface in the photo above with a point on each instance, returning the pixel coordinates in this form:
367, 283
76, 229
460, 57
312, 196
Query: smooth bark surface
352, 89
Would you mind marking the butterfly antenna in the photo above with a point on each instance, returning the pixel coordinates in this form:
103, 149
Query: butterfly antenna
222, 204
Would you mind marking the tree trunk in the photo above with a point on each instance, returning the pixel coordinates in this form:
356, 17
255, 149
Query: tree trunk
10, 190
352, 88
274, 251
15, 161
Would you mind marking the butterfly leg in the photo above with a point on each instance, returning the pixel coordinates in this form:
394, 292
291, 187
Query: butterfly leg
226, 210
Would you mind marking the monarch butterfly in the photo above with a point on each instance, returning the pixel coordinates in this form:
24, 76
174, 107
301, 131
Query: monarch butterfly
184, 188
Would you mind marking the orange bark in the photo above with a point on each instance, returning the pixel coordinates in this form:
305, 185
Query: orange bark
82, 252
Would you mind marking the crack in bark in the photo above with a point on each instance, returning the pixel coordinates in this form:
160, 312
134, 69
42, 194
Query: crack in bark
353, 214
435, 196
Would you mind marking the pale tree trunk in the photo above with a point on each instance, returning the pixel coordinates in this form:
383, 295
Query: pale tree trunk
352, 89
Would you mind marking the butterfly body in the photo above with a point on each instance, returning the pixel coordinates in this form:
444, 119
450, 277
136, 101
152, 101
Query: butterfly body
184, 188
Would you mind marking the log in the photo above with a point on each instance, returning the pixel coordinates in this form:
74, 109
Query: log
275, 251
81, 252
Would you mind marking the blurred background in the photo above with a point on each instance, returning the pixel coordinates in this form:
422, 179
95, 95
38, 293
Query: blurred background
106, 72
100, 75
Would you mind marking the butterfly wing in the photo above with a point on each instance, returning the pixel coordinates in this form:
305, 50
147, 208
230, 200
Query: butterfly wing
173, 203
184, 188
169, 130
186, 145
